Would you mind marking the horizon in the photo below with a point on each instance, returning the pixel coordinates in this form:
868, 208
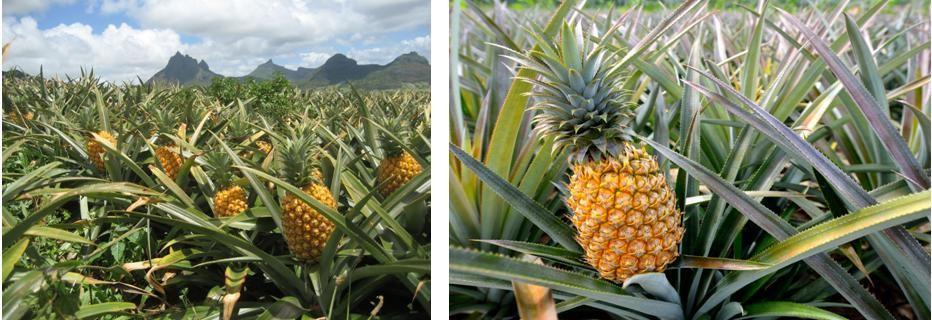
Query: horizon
121, 39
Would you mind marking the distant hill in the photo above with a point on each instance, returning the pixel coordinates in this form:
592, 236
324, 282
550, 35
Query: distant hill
268, 70
185, 70
409, 68
406, 68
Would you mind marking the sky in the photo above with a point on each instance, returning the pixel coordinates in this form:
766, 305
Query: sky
121, 39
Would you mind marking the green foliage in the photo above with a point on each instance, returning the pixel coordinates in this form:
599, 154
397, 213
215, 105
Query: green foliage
803, 194
130, 242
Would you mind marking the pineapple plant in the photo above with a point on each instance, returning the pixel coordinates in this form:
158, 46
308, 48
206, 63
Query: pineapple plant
167, 153
229, 199
398, 166
305, 229
622, 206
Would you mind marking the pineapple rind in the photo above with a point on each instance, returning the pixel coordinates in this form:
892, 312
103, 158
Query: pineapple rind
306, 230
625, 214
230, 202
394, 172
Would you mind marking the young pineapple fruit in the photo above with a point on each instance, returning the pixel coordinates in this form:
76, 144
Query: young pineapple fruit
168, 154
306, 231
622, 207
398, 167
230, 199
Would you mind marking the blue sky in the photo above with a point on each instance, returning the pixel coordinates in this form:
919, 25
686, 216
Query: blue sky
121, 39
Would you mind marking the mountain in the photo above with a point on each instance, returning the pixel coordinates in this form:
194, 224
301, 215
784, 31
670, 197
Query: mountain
185, 70
338, 69
409, 68
269, 69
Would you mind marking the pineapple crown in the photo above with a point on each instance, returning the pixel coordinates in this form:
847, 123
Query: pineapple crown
165, 120
296, 159
87, 119
238, 127
392, 146
221, 166
579, 98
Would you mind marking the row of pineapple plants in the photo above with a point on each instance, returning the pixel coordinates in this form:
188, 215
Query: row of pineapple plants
690, 162
237, 200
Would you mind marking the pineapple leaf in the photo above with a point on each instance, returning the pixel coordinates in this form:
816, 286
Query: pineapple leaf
787, 309
542, 218
770, 222
505, 268
869, 106
541, 250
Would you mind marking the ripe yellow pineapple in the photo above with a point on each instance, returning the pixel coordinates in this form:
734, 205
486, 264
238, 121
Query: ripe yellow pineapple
96, 151
306, 231
26, 117
622, 207
264, 146
169, 159
398, 167
230, 199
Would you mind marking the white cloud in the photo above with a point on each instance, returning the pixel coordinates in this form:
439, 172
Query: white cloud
383, 55
11, 7
276, 22
118, 53
314, 59
232, 36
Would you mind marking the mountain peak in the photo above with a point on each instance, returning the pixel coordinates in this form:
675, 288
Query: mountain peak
411, 57
339, 59
184, 69
181, 58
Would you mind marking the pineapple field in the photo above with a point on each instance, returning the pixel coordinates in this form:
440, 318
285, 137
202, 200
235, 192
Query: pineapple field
237, 200
696, 161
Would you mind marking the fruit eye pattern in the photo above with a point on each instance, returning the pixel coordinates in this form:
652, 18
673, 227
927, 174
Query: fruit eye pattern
305, 229
625, 214
395, 171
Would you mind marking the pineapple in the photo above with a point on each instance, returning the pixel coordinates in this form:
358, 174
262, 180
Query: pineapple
168, 154
264, 146
621, 204
95, 151
306, 231
398, 167
230, 199
169, 159
21, 120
